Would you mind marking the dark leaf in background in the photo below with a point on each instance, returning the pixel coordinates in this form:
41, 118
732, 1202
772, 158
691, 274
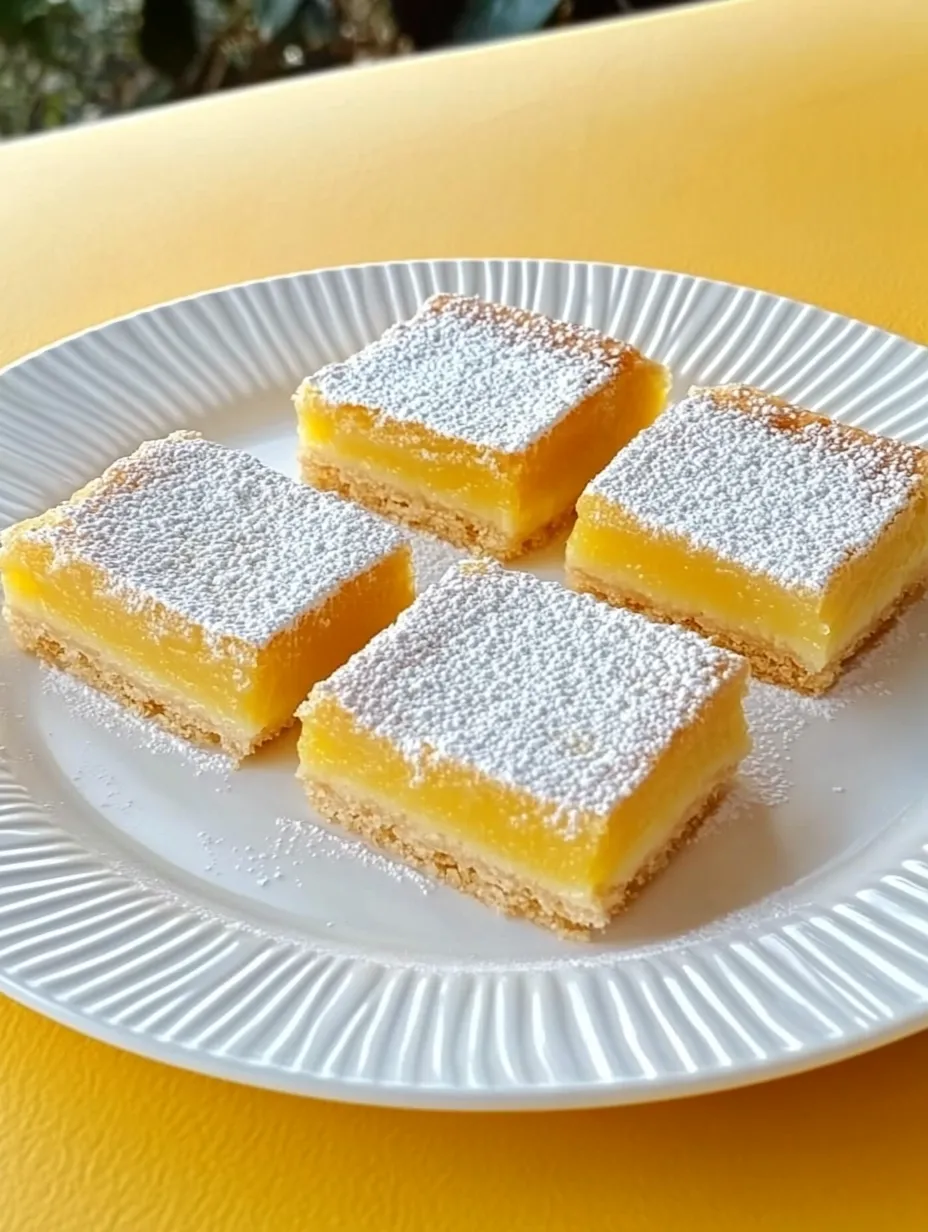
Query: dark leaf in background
11, 17
15, 15
168, 36
488, 19
272, 16
11, 20
63, 61
318, 22
89, 8
429, 23
157, 91
587, 10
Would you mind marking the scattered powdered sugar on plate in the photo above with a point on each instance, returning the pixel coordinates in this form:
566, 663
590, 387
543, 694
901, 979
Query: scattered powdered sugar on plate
294, 843
325, 844
266, 860
88, 704
777, 718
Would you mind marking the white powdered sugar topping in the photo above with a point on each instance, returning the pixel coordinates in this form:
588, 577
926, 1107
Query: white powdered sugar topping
431, 558
775, 490
532, 685
217, 537
466, 369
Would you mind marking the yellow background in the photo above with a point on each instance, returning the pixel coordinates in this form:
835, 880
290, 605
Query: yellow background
779, 143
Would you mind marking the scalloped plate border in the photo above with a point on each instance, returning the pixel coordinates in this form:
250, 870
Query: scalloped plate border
122, 959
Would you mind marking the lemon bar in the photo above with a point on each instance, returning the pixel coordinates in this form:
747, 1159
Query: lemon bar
476, 422
779, 533
197, 586
531, 746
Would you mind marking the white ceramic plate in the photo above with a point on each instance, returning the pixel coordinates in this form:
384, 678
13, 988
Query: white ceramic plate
155, 899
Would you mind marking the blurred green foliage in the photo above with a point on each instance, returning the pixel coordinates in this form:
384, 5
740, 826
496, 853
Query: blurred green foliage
68, 60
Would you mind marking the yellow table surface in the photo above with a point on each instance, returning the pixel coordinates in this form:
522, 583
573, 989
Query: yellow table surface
778, 143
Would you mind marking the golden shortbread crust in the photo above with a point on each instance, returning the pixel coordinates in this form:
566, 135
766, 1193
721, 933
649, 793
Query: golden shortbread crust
393, 832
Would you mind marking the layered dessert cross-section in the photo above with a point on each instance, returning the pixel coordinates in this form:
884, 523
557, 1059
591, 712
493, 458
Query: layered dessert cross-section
475, 421
777, 532
197, 586
533, 747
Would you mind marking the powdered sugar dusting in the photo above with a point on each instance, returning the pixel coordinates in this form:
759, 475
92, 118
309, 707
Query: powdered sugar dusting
777, 491
431, 558
329, 846
493, 376
777, 718
533, 685
214, 535
284, 855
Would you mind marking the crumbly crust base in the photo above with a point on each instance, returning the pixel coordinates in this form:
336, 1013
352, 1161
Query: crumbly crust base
501, 889
39, 638
767, 662
455, 527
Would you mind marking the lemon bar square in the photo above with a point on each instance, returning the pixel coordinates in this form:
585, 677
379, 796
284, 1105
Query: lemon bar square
531, 746
476, 422
197, 586
780, 533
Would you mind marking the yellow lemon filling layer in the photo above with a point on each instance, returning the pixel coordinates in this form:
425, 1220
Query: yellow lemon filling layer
251, 688
448, 802
517, 492
677, 579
